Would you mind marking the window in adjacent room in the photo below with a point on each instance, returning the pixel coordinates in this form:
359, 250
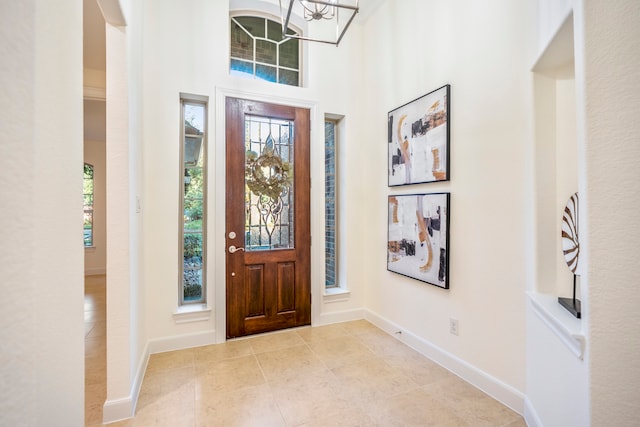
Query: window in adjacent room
87, 194
259, 51
193, 197
330, 199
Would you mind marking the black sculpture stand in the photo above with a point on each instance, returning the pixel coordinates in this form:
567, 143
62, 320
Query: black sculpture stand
572, 304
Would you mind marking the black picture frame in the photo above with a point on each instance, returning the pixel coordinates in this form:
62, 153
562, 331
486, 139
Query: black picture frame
418, 136
418, 237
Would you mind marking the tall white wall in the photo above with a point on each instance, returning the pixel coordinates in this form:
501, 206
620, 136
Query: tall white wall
601, 389
611, 60
41, 251
483, 50
126, 334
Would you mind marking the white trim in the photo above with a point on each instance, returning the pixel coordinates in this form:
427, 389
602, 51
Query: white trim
339, 317
530, 414
117, 410
192, 313
335, 294
564, 325
217, 239
490, 385
180, 342
121, 409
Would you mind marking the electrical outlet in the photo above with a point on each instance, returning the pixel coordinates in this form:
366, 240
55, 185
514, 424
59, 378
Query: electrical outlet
453, 326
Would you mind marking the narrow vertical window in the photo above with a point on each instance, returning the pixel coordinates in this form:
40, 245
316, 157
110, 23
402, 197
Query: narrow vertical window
193, 144
87, 194
330, 203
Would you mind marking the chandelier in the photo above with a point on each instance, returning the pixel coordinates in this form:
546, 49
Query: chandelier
321, 10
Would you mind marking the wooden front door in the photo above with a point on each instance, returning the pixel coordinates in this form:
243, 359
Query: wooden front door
268, 237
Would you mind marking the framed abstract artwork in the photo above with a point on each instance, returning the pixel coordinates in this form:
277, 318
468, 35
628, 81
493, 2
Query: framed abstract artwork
418, 237
418, 137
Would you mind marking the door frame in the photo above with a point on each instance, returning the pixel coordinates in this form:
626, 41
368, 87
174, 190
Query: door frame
217, 247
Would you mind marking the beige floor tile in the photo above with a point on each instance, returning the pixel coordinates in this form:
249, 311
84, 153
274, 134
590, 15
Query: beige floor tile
417, 367
95, 349
339, 351
217, 352
165, 396
380, 342
365, 390
275, 341
288, 362
348, 374
214, 378
92, 414
471, 404
157, 386
322, 333
518, 423
253, 406
413, 408
350, 417
371, 367
170, 360
166, 413
359, 326
371, 379
305, 398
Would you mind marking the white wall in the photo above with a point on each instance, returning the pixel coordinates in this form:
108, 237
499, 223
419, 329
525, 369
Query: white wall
602, 389
126, 334
611, 61
41, 251
482, 50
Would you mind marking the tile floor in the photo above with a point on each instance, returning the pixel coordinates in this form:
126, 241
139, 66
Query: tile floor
95, 353
348, 374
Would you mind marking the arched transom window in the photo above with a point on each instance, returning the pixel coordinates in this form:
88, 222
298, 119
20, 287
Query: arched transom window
258, 50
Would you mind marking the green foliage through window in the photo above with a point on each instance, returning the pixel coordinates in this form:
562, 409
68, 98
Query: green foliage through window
258, 50
193, 221
87, 195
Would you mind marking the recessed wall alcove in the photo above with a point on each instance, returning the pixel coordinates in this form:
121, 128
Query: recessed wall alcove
556, 179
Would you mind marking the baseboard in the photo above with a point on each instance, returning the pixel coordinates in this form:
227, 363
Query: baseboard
95, 271
117, 410
121, 409
492, 386
531, 415
340, 316
180, 342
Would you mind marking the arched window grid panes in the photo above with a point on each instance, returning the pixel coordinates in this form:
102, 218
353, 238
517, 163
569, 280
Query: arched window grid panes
259, 51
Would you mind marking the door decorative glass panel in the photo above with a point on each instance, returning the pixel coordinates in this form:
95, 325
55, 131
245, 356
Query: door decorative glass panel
269, 190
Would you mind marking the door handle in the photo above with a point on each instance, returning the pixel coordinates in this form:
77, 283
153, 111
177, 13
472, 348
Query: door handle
233, 249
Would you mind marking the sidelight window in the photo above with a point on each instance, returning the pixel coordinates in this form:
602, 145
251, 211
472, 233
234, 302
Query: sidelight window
330, 214
193, 197
87, 195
